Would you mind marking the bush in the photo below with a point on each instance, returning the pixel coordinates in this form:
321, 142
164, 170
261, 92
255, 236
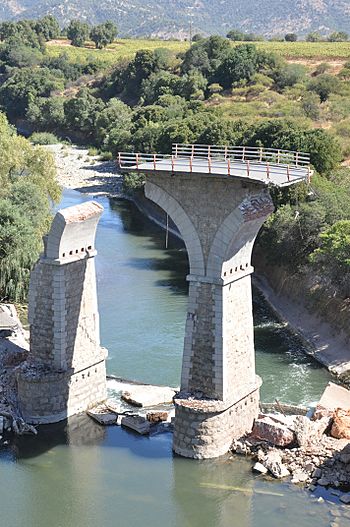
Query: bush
44, 138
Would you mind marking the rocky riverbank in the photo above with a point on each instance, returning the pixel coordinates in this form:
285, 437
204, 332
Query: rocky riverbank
78, 170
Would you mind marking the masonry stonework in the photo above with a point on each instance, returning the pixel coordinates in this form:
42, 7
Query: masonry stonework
219, 219
65, 371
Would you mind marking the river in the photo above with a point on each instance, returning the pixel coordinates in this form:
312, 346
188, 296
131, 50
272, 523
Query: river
78, 474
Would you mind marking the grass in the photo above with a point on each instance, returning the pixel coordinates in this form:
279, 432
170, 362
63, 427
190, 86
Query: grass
126, 49
120, 49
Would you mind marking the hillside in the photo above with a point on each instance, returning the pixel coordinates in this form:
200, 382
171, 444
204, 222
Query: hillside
172, 18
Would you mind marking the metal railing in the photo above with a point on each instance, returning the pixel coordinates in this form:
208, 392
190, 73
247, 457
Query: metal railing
242, 153
216, 164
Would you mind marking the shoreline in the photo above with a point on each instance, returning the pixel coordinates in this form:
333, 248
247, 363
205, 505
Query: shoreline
87, 174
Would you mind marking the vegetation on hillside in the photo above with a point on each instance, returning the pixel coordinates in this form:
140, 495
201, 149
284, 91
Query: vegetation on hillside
215, 93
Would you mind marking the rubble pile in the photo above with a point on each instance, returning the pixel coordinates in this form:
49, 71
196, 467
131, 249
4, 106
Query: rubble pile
311, 450
13, 351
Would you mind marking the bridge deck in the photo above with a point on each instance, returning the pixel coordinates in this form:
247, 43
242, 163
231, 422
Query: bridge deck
266, 166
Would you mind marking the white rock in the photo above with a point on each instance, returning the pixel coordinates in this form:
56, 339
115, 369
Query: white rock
259, 468
147, 395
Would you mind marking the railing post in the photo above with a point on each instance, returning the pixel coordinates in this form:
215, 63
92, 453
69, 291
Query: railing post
261, 155
243, 154
308, 174
278, 157
268, 170
209, 165
154, 162
248, 168
172, 163
228, 167
288, 172
191, 163
209, 150
137, 161
176, 147
192, 151
297, 158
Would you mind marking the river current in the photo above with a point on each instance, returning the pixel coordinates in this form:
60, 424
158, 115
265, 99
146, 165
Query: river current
78, 474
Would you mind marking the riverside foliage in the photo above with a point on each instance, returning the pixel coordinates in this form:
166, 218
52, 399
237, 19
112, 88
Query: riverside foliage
213, 93
27, 188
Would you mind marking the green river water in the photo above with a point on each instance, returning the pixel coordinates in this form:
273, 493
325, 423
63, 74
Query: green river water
78, 474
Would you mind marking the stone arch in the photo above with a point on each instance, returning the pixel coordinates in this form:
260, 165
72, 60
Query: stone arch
187, 230
234, 239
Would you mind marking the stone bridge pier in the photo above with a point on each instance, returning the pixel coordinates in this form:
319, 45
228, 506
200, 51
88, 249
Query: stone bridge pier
65, 370
219, 219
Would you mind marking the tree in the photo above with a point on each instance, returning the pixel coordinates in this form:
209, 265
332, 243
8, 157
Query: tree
206, 55
291, 37
24, 85
47, 113
113, 125
82, 111
333, 255
78, 33
236, 35
314, 36
338, 36
48, 27
324, 85
103, 34
288, 75
27, 181
18, 56
197, 37
240, 64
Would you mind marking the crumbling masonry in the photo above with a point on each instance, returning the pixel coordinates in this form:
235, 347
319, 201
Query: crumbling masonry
65, 371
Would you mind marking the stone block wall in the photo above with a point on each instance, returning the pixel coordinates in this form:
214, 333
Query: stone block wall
205, 429
65, 371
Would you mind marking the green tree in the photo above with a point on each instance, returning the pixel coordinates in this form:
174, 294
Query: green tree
48, 27
103, 34
24, 85
338, 36
324, 85
241, 63
314, 36
81, 112
78, 32
291, 37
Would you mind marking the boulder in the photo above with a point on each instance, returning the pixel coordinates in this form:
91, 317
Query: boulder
267, 429
308, 432
157, 417
259, 468
341, 424
137, 423
146, 395
273, 462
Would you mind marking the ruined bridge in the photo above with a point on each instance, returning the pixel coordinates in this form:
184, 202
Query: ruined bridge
218, 197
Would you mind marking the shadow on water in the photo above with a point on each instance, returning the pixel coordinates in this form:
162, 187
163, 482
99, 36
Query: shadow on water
81, 430
175, 259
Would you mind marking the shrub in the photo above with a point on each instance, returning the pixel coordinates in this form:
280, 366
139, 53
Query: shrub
44, 138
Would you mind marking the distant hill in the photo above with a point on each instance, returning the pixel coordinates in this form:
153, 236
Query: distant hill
164, 18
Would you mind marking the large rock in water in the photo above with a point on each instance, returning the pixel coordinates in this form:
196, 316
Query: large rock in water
268, 429
148, 395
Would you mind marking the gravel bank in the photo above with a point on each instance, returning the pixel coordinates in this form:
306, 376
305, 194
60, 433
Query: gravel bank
77, 170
